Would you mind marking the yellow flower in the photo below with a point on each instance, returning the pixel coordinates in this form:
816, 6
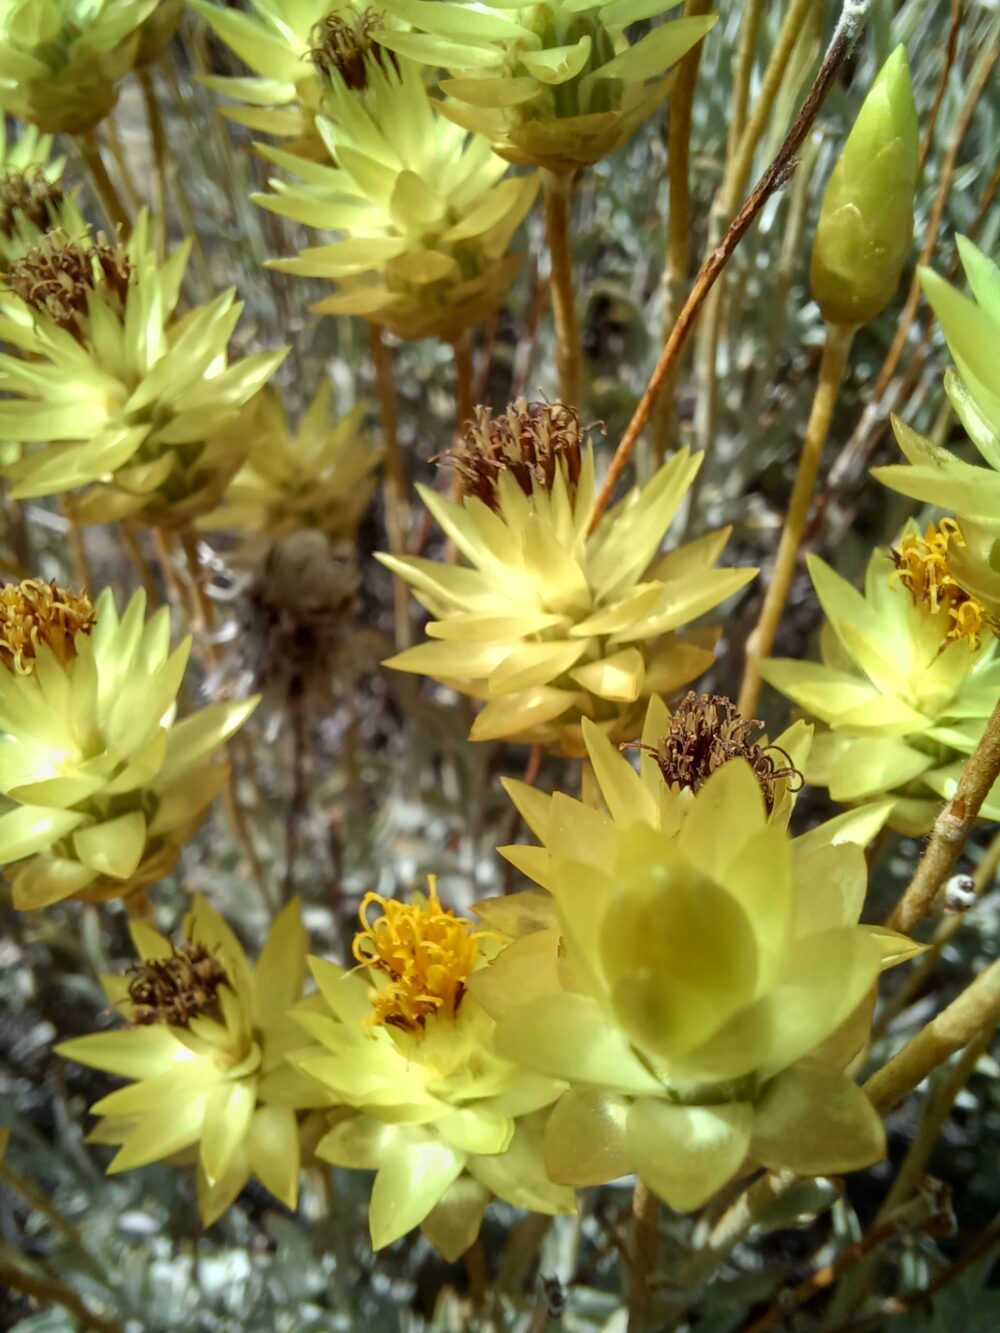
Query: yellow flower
425, 214
61, 60
204, 1054
113, 391
910, 673
292, 46
679, 752
701, 991
972, 329
443, 1120
102, 787
31, 200
549, 622
557, 85
321, 477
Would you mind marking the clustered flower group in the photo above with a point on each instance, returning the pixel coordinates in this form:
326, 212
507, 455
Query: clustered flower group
684, 993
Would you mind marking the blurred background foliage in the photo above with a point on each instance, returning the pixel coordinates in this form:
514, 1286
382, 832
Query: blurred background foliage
379, 785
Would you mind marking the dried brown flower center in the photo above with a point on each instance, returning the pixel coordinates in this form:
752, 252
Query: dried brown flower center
27, 197
531, 441
57, 276
35, 612
176, 989
343, 43
923, 570
704, 733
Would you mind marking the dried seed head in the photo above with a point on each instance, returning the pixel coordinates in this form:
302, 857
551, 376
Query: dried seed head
57, 276
923, 570
35, 612
705, 732
27, 197
344, 43
176, 989
530, 441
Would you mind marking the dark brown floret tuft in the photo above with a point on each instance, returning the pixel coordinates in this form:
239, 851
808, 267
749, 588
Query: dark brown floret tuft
57, 276
705, 732
176, 989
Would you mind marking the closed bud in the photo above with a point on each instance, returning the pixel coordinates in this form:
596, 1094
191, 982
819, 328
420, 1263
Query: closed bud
866, 221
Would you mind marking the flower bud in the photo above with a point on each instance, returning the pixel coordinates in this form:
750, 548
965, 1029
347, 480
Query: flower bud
866, 220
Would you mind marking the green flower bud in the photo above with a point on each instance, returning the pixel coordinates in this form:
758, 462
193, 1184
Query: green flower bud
866, 221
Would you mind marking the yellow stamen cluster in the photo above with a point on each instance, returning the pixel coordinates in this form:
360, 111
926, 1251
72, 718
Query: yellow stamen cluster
35, 612
922, 568
425, 951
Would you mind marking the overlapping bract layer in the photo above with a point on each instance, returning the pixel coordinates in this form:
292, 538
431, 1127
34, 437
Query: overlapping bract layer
131, 400
30, 198
555, 85
443, 1119
549, 623
276, 41
425, 211
61, 60
318, 478
972, 328
701, 990
902, 700
217, 1087
101, 786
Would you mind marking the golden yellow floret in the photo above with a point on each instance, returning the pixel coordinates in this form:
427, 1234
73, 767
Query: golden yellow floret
922, 566
425, 950
34, 612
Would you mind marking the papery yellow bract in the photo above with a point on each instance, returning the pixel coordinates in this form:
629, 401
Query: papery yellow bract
443, 1120
548, 622
218, 1087
903, 700
700, 990
102, 786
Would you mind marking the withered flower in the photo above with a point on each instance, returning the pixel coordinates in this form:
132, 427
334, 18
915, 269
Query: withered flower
528, 440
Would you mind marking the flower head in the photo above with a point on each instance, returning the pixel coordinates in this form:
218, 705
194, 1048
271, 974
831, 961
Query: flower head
61, 60
423, 210
909, 676
443, 1119
971, 326
101, 786
31, 199
293, 47
549, 622
529, 440
204, 1051
678, 754
319, 477
557, 85
700, 990
33, 613
293, 635
113, 391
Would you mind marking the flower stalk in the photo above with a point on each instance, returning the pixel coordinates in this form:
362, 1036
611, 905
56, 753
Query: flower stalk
831, 376
394, 483
643, 1251
951, 829
104, 187
557, 192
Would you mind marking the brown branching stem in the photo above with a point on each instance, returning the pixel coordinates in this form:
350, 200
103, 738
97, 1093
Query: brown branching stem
976, 1009
557, 190
951, 829
644, 1248
849, 26
832, 369
298, 797
48, 1291
79, 559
